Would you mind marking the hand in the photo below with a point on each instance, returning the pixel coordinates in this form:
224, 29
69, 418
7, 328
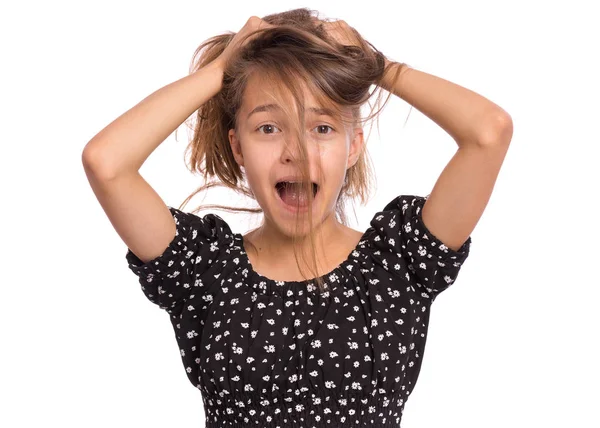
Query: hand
254, 23
341, 32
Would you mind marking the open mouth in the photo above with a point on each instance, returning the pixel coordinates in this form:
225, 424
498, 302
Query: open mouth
293, 195
288, 186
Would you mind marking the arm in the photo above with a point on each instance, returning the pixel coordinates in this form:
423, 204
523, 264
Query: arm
465, 115
125, 144
482, 131
113, 157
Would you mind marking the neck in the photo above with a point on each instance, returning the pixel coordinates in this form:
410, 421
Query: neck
274, 244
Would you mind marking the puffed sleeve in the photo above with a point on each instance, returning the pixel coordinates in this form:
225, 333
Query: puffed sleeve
431, 265
174, 276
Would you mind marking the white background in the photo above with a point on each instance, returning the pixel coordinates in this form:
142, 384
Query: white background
513, 343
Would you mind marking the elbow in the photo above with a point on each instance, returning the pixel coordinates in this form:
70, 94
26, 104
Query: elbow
93, 163
498, 131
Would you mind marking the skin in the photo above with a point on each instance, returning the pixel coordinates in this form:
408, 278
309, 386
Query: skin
261, 151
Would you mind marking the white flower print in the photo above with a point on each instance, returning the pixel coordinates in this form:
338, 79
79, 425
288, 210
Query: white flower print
213, 297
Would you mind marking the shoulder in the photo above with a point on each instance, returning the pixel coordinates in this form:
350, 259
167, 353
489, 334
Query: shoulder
208, 226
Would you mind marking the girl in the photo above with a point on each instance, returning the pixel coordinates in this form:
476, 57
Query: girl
303, 322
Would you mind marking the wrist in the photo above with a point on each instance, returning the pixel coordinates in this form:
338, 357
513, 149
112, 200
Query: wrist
391, 78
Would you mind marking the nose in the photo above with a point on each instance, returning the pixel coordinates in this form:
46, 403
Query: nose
291, 151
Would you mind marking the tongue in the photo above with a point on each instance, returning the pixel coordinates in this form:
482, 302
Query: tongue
293, 195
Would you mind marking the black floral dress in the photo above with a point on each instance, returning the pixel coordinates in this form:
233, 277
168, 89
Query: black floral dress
267, 353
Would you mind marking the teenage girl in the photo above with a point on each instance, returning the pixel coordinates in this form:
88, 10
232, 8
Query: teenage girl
302, 322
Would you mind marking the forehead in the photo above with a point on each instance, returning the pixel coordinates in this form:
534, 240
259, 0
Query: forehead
263, 95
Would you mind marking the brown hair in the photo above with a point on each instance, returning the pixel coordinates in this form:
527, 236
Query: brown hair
296, 52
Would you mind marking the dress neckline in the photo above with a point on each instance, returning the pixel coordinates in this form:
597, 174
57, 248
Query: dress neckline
328, 278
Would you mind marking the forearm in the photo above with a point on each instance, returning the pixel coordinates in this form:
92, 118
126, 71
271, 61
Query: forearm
125, 144
466, 116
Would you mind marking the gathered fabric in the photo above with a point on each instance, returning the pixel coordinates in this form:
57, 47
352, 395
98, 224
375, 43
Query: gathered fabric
285, 354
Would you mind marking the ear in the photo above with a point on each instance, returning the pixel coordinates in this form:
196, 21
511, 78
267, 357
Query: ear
356, 147
236, 147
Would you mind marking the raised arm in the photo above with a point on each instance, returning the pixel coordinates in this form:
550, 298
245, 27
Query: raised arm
114, 156
112, 160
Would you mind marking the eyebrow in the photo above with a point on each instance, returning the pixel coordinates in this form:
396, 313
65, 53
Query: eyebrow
322, 111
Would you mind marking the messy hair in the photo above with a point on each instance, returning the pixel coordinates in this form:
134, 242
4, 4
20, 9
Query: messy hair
296, 53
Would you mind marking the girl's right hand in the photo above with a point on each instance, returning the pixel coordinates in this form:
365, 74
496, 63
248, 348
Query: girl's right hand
254, 23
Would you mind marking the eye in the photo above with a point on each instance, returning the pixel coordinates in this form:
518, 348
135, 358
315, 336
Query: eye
325, 126
268, 125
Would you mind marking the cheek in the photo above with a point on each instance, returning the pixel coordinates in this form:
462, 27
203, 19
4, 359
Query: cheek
334, 161
256, 167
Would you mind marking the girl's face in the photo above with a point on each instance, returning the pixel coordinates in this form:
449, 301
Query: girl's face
259, 147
